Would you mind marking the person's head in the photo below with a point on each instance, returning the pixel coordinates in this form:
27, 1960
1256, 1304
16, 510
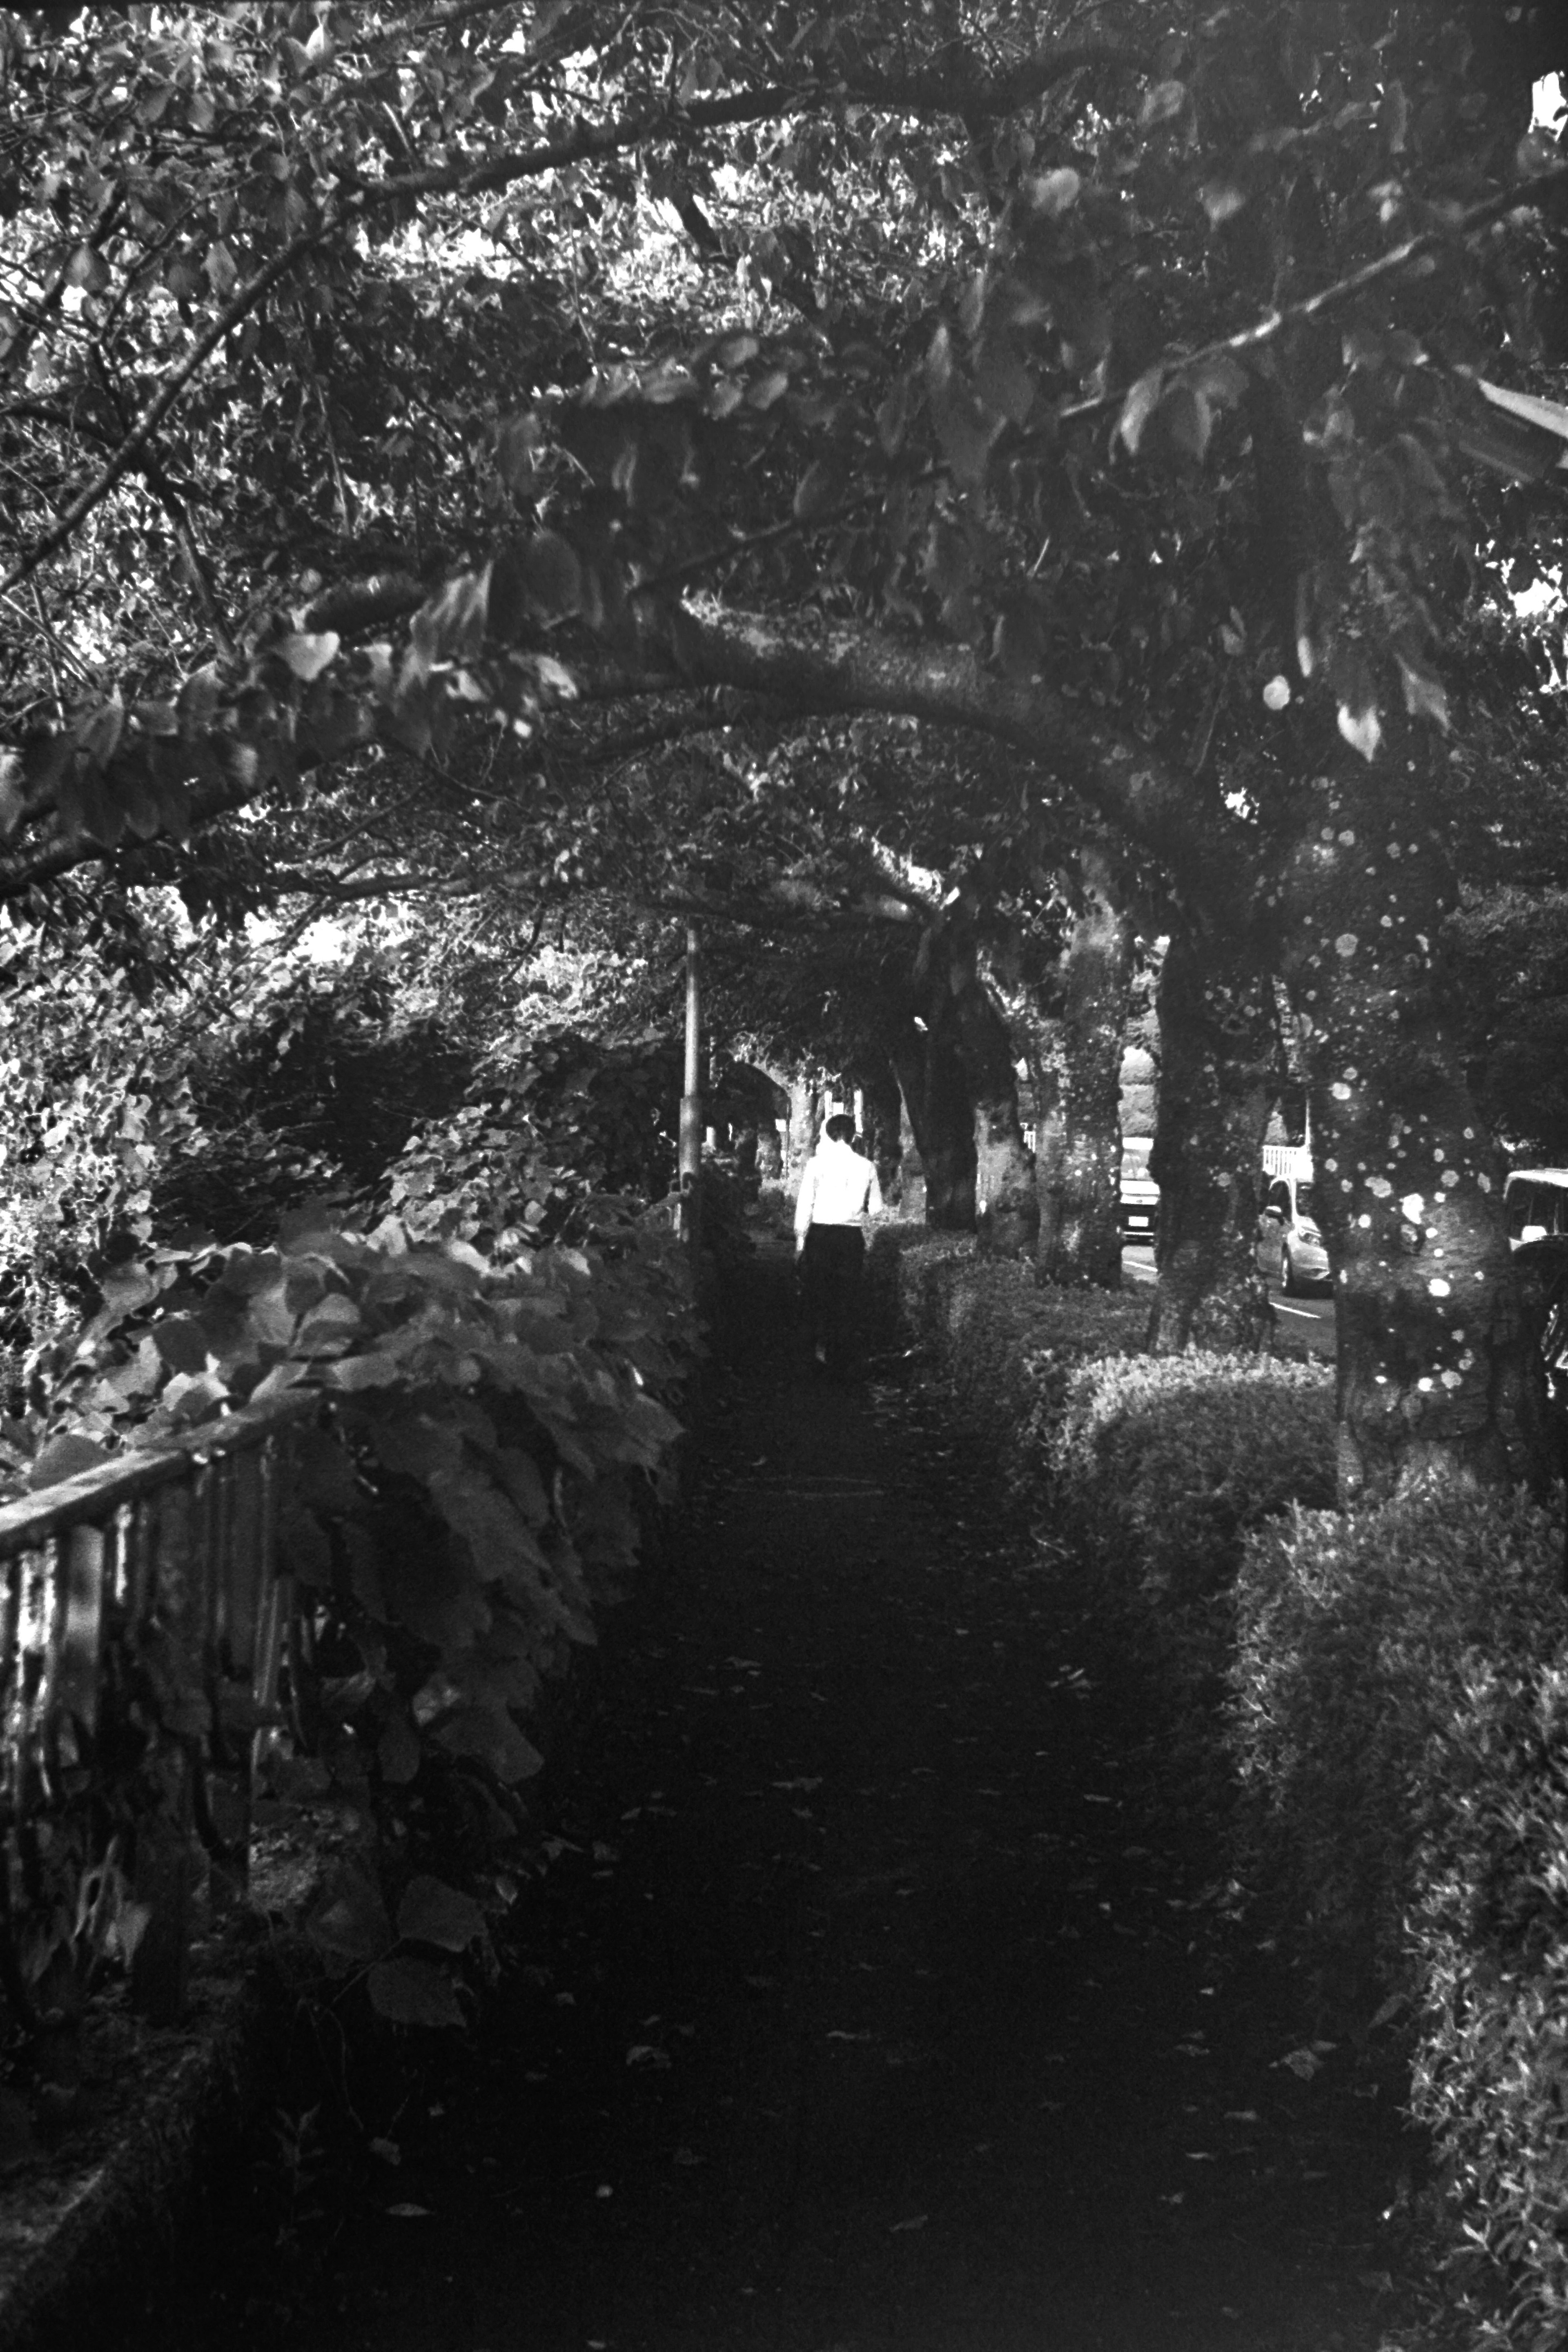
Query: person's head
840, 1127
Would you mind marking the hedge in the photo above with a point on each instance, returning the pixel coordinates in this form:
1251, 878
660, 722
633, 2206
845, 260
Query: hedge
1170, 1459
1401, 1719
1396, 1707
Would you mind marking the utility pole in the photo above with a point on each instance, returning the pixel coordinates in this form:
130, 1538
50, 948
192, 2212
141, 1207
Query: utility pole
692, 1096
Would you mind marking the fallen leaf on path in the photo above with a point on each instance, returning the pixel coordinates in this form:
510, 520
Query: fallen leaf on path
1306, 2062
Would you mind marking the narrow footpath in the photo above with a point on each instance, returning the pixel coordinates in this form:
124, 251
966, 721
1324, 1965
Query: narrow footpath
882, 1992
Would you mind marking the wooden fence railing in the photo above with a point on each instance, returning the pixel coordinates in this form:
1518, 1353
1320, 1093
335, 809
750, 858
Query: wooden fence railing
143, 1625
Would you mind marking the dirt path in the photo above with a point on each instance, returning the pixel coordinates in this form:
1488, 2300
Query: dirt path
880, 1998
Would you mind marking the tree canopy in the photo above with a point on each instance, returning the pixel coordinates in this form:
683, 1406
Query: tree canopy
415, 418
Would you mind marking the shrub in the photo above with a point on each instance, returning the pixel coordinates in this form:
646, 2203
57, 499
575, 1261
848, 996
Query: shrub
1172, 1459
466, 1498
1006, 1341
1358, 1635
1489, 1935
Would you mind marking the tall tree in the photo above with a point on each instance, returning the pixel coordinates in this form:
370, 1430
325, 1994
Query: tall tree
1117, 397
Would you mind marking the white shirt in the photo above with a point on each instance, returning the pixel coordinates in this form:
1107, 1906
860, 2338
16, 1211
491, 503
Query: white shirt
838, 1187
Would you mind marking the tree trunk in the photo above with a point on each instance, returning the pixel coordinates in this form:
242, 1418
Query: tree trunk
1008, 1213
931, 1081
800, 1135
1218, 1064
884, 1110
1079, 1162
1438, 1380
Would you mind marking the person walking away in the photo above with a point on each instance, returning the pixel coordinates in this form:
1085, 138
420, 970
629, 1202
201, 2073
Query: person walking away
838, 1191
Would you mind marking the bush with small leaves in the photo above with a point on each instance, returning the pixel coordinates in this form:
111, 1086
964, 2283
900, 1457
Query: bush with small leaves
1358, 1634
1006, 1342
1488, 1937
1167, 1461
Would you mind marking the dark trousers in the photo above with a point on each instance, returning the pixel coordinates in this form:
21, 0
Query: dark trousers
830, 1266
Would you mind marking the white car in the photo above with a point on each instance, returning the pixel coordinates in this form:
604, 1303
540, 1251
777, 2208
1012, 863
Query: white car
1291, 1249
1536, 1200
1140, 1207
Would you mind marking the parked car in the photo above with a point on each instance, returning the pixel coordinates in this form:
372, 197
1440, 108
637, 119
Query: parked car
1140, 1212
1289, 1247
1536, 1201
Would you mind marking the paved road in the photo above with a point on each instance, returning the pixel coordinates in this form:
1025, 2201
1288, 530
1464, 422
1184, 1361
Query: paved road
1309, 1319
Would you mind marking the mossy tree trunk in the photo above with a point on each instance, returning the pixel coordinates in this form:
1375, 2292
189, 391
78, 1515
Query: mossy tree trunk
1218, 1074
1077, 1173
879, 1088
1439, 1378
954, 1062
1007, 1213
932, 1082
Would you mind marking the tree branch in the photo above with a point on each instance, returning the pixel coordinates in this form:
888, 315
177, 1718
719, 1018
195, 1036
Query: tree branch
128, 454
1524, 195
842, 669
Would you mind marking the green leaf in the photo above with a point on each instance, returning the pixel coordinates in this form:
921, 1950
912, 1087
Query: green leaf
817, 490
1188, 420
183, 1343
398, 1752
551, 576
65, 1457
1002, 382
964, 432
223, 273
349, 1920
88, 269
433, 1913
1221, 380
1425, 697
1052, 194
1222, 200
768, 388
1162, 104
414, 1992
1139, 406
490, 1735
307, 655
13, 792
1361, 728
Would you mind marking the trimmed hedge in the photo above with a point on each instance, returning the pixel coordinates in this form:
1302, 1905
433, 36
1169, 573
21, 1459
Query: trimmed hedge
1357, 1636
1401, 1717
1489, 1932
1006, 1343
1397, 1715
1169, 1460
